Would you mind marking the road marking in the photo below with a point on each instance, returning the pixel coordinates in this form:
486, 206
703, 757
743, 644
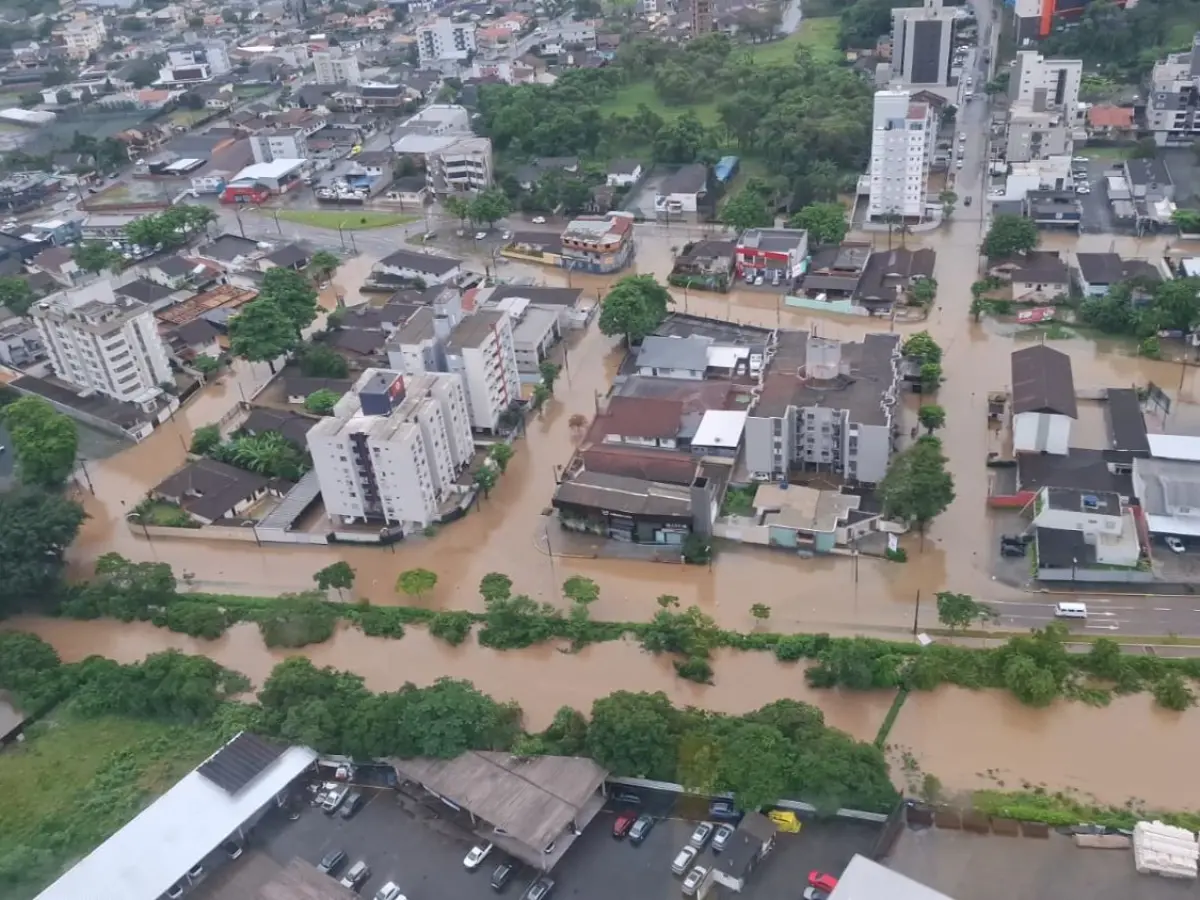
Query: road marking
1163, 609
1104, 627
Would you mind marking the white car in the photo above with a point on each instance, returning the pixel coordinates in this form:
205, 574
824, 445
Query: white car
962, 136
480, 235
538, 220
692, 882
1175, 544
684, 859
701, 835
1083, 190
477, 856
389, 891
1082, 159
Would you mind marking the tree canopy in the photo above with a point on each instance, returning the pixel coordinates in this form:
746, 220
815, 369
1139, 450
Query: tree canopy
746, 209
292, 293
36, 527
16, 294
1010, 235
44, 440
634, 307
825, 223
171, 228
917, 487
261, 332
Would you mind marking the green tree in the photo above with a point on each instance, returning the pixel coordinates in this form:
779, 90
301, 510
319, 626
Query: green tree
960, 611
541, 395
634, 307
635, 734
268, 453
293, 294
948, 199
917, 487
931, 416
458, 208
495, 586
322, 265
549, 372
931, 377
322, 402
489, 206
92, 256
416, 582
36, 527
922, 347
501, 453
485, 479
755, 763
338, 575
261, 332
44, 440
825, 223
924, 291
320, 361
580, 590
1010, 235
746, 209
16, 294
760, 611
205, 439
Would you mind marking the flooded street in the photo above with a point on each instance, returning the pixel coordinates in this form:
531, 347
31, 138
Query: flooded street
506, 533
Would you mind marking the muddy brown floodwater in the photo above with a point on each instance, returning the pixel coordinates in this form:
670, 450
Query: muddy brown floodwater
969, 740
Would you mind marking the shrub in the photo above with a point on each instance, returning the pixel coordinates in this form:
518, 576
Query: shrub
695, 669
451, 627
203, 620
297, 620
381, 621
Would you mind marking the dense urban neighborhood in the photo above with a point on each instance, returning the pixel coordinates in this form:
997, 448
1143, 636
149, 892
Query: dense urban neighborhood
457, 448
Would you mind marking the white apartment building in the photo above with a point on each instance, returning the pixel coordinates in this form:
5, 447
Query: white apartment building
462, 166
482, 351
83, 37
191, 63
902, 141
1045, 84
284, 143
1171, 109
393, 448
103, 343
332, 66
443, 40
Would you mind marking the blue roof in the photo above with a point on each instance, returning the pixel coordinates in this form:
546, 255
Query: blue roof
724, 168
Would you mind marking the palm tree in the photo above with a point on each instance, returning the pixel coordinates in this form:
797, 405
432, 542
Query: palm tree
264, 453
322, 266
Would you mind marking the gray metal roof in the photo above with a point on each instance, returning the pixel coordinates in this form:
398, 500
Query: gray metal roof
689, 353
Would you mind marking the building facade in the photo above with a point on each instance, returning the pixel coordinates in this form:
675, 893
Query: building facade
1171, 108
104, 343
284, 143
444, 40
332, 66
902, 141
598, 244
1045, 84
83, 37
481, 350
460, 166
922, 38
393, 448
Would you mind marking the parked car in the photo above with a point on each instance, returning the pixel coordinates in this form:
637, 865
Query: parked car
966, 201
233, 848
683, 859
539, 890
822, 881
175, 891
331, 862
352, 804
1175, 544
701, 835
692, 882
623, 823
1012, 550
502, 874
812, 893
390, 891
538, 220
640, 830
333, 800
480, 235
724, 811
356, 875
721, 838
476, 856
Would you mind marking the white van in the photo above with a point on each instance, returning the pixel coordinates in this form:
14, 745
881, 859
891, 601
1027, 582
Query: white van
1070, 610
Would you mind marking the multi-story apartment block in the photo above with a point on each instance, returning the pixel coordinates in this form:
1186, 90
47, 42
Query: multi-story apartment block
102, 342
191, 63
82, 37
283, 143
393, 448
598, 243
463, 165
825, 406
333, 66
922, 37
902, 141
1171, 108
445, 41
1045, 84
481, 349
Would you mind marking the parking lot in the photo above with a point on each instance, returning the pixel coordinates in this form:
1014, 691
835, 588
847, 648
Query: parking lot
422, 851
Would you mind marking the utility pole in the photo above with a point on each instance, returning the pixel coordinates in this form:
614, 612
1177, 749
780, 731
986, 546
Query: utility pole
916, 613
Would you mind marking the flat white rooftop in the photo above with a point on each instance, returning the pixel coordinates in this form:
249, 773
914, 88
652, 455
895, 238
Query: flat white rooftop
276, 169
1174, 446
180, 828
720, 428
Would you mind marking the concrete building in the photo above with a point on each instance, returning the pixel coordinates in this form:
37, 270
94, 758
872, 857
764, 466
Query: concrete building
445, 41
598, 243
193, 63
1171, 108
922, 38
283, 143
463, 165
393, 448
902, 141
1045, 84
333, 66
83, 37
825, 406
1036, 134
1097, 524
1043, 400
104, 343
481, 349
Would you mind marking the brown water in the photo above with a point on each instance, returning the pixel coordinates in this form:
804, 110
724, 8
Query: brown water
541, 679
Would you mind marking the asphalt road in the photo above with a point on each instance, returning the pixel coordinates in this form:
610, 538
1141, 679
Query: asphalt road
1118, 616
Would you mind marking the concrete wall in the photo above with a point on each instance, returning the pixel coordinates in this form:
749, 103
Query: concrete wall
1124, 576
245, 535
742, 530
838, 307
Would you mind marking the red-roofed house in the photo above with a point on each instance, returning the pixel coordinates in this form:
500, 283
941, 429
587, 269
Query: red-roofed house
1110, 121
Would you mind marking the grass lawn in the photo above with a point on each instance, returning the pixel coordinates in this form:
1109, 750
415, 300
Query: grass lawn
187, 116
625, 102
349, 220
1106, 153
820, 36
75, 782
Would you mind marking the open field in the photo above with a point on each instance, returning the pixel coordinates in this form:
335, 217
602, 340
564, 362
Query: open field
625, 102
188, 117
347, 220
820, 36
75, 782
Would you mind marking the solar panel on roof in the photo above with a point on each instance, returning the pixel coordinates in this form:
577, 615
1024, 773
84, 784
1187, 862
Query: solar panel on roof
239, 762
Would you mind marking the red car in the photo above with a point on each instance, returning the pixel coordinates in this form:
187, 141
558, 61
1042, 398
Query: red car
623, 823
822, 880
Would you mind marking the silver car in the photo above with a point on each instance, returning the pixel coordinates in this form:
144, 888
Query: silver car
701, 835
683, 859
693, 880
722, 837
